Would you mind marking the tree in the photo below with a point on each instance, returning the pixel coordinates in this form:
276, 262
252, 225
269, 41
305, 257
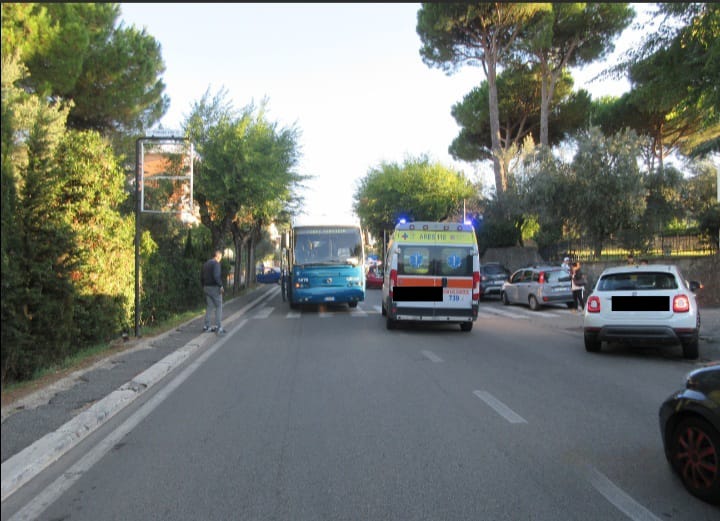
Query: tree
674, 81
245, 175
482, 33
607, 192
569, 35
417, 190
519, 112
75, 51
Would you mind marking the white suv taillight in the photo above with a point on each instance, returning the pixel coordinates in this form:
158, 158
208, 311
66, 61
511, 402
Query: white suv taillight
593, 304
681, 304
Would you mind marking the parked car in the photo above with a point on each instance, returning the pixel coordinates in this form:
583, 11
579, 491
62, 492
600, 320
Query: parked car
373, 277
649, 303
690, 430
270, 275
537, 286
492, 277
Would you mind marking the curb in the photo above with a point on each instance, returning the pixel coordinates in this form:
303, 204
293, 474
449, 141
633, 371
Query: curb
28, 463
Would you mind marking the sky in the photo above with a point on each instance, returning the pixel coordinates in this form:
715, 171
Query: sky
349, 77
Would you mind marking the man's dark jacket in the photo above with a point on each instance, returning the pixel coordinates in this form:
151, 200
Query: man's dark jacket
210, 275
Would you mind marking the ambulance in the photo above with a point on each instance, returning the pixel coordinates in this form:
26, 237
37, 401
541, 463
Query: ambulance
432, 273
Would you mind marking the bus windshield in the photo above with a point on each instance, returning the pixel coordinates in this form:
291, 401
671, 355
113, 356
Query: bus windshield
327, 245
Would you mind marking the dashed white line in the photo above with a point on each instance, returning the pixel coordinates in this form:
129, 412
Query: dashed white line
618, 497
264, 312
432, 357
499, 407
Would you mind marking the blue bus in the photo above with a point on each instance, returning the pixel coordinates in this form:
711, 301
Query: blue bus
326, 264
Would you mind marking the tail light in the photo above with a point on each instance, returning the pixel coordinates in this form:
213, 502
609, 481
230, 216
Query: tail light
541, 278
681, 304
593, 304
393, 282
476, 285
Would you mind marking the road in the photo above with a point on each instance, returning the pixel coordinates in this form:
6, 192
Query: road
324, 414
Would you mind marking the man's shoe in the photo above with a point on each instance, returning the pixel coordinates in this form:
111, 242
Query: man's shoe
206, 329
221, 331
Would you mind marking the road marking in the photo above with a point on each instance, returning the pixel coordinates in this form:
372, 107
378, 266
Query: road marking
293, 314
264, 312
432, 357
62, 484
499, 407
358, 312
618, 497
509, 314
378, 309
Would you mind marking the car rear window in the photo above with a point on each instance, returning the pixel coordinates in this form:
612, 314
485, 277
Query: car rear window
493, 270
557, 276
637, 281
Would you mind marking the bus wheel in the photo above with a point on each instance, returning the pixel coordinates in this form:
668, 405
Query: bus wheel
466, 326
352, 304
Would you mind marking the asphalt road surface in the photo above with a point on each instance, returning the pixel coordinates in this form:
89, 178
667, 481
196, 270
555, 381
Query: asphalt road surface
323, 414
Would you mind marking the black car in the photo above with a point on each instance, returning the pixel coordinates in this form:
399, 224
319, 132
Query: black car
690, 429
492, 276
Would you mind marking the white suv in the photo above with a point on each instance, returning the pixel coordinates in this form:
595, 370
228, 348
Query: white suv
649, 303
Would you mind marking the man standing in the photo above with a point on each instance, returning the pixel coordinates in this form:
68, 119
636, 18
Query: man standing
213, 288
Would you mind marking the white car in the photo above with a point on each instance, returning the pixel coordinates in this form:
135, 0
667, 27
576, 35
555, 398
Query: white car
649, 303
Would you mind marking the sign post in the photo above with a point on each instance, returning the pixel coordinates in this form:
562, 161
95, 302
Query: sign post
163, 184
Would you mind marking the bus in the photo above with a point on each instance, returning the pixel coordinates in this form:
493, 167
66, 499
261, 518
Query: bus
325, 264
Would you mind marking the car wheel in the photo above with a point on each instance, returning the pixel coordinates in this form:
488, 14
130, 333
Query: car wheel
690, 349
592, 343
466, 326
571, 305
389, 323
504, 298
533, 303
352, 304
695, 456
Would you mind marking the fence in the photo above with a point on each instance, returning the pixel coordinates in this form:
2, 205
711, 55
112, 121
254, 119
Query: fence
661, 246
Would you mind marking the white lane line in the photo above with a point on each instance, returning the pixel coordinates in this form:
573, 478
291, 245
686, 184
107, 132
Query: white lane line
432, 357
378, 309
499, 407
293, 314
264, 312
358, 312
618, 497
326, 314
510, 314
52, 492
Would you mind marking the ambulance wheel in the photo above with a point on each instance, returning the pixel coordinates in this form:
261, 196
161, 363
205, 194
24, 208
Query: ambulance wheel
466, 326
389, 323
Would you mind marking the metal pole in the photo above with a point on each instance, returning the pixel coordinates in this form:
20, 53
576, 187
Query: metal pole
138, 209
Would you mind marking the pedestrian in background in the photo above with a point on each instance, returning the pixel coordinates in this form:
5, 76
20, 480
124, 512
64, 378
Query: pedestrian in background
577, 284
211, 279
566, 264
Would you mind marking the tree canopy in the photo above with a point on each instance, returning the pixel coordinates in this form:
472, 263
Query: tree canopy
417, 189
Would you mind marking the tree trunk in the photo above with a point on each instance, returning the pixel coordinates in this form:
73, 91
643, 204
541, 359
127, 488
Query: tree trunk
498, 164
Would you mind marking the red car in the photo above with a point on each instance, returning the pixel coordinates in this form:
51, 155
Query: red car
373, 278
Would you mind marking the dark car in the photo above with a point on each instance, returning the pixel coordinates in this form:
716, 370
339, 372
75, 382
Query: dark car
690, 429
492, 277
269, 276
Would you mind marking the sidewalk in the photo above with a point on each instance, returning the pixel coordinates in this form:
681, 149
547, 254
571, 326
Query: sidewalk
39, 428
